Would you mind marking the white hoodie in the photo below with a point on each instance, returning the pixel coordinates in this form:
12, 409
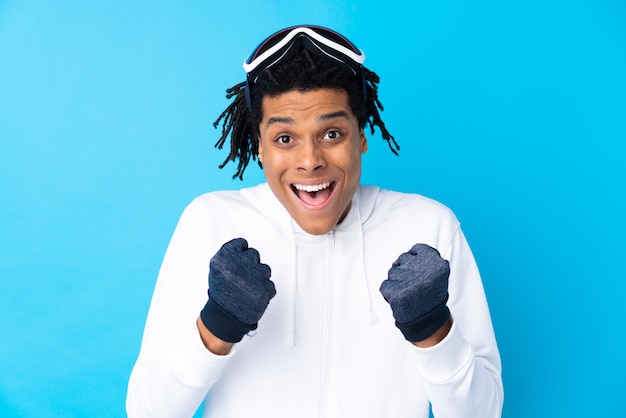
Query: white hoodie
327, 346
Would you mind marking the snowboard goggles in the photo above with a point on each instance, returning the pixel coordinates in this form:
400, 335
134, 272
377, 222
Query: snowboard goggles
282, 45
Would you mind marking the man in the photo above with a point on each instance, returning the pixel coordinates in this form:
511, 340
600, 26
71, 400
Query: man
326, 298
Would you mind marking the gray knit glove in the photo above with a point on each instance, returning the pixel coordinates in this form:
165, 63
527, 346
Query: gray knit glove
240, 290
417, 290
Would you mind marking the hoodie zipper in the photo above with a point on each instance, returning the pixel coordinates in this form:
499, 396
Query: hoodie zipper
328, 313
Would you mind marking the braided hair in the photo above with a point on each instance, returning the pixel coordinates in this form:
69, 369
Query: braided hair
304, 72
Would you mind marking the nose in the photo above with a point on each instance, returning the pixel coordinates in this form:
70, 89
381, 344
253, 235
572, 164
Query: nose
311, 157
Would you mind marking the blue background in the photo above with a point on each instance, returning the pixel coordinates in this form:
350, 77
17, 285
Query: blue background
511, 113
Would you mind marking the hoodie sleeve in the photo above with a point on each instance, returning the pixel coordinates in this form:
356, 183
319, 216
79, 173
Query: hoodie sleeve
174, 371
462, 373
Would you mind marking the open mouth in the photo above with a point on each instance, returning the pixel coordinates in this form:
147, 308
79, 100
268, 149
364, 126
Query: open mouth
314, 194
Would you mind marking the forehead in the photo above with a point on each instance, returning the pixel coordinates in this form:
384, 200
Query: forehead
297, 101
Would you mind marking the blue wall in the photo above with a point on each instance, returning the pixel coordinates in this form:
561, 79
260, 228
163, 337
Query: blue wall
511, 113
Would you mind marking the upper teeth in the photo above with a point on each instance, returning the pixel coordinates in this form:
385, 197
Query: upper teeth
312, 188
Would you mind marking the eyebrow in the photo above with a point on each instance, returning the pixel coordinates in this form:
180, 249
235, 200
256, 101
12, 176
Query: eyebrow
289, 121
334, 115
279, 119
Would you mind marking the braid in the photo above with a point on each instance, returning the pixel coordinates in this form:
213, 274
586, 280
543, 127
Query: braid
304, 72
372, 104
235, 118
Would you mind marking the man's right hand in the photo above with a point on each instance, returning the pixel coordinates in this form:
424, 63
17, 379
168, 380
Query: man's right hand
240, 290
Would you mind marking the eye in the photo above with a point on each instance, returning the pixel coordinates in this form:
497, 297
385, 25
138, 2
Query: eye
284, 139
333, 135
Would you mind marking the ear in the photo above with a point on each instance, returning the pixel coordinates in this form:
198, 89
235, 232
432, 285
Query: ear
260, 150
363, 142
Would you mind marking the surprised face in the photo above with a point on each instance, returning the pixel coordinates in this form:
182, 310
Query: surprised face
310, 145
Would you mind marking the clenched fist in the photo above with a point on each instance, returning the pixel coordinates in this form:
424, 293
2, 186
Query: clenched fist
240, 290
417, 290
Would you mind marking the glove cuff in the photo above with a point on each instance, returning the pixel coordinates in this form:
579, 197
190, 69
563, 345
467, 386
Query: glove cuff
424, 327
222, 324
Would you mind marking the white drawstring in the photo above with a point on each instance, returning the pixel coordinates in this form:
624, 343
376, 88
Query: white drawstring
291, 342
371, 316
